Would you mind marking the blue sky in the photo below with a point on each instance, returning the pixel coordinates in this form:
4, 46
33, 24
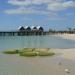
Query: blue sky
55, 14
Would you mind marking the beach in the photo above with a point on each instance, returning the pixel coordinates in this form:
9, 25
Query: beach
66, 53
66, 36
63, 59
17, 65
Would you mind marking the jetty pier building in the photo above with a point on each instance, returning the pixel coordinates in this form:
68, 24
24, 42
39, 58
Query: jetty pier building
22, 31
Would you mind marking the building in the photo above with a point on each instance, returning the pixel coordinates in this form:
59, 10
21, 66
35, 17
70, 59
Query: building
27, 28
33, 28
21, 28
40, 28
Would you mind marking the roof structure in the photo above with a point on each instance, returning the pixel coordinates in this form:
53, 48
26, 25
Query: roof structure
40, 28
34, 28
21, 28
27, 28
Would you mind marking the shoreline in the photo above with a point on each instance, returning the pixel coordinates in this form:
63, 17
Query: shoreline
55, 65
39, 65
66, 36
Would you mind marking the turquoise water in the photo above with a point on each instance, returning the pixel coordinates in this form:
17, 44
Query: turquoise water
47, 41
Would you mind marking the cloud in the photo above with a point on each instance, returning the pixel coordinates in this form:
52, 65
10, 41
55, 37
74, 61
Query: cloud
51, 5
30, 2
20, 3
23, 10
27, 2
69, 4
57, 6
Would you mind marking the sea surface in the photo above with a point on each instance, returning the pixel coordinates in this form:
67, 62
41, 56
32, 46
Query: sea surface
46, 41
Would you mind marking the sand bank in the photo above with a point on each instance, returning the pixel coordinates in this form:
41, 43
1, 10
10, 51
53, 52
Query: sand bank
66, 36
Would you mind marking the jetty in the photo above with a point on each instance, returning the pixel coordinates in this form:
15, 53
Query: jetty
22, 31
27, 30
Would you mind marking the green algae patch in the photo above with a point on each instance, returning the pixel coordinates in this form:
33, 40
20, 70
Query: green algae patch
28, 52
45, 53
11, 52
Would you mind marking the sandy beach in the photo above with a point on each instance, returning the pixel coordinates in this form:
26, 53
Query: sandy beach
66, 36
55, 65
17, 65
66, 53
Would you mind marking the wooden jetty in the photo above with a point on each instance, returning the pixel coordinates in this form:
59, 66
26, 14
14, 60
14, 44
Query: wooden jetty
22, 31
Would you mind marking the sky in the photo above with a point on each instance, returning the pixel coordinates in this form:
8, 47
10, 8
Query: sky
50, 14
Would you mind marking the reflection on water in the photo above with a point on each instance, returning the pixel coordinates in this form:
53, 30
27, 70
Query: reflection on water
47, 41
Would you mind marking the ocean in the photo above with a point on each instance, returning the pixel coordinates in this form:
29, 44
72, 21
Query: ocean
44, 41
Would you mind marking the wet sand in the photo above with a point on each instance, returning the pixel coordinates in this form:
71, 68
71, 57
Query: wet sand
17, 65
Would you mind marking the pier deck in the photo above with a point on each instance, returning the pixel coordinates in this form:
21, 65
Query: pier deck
21, 33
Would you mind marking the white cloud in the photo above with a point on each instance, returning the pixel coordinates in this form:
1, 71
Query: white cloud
19, 11
69, 4
23, 10
41, 1
30, 2
56, 6
20, 3
52, 5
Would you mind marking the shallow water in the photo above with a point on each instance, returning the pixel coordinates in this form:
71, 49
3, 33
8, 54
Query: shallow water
47, 41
